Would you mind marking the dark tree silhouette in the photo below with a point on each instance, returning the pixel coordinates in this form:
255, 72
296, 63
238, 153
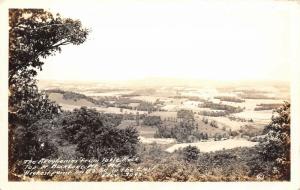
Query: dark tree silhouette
95, 137
190, 153
34, 34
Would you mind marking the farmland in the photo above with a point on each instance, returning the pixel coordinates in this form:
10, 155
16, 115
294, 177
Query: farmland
214, 145
219, 112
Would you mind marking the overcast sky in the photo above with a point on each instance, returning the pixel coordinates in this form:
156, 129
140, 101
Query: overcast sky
185, 39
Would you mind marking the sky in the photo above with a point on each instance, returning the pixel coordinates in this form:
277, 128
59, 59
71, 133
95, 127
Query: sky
209, 40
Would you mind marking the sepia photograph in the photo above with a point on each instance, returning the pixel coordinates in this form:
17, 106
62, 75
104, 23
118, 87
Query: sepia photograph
146, 91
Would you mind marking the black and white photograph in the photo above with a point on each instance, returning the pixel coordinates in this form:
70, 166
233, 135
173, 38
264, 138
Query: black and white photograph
151, 91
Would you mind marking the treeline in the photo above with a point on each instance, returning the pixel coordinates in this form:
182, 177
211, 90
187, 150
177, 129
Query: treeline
229, 99
191, 98
214, 113
220, 106
266, 106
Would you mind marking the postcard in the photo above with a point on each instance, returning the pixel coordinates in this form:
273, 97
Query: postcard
150, 94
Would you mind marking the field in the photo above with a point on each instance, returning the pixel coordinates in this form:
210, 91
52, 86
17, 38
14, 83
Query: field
165, 102
214, 145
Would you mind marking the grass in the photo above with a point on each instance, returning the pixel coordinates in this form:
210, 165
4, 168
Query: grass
211, 146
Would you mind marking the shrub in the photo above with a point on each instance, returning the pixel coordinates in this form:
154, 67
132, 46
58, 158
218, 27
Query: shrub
190, 153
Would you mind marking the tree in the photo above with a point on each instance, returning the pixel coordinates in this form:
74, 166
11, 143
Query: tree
190, 153
183, 130
214, 124
95, 137
276, 147
34, 34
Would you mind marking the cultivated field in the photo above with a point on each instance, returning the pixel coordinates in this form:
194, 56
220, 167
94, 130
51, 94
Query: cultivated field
214, 145
166, 102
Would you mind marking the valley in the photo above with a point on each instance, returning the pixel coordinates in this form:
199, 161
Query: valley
222, 116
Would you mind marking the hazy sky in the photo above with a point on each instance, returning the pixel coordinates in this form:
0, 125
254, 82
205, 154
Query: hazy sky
186, 39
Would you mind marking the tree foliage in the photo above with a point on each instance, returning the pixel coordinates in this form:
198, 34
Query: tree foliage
96, 135
34, 34
276, 147
190, 153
